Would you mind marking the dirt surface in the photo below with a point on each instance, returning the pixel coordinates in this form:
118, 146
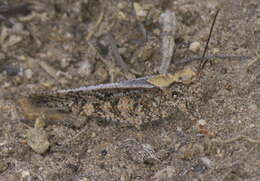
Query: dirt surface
214, 134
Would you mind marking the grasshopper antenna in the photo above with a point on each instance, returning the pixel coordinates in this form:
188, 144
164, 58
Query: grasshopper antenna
204, 62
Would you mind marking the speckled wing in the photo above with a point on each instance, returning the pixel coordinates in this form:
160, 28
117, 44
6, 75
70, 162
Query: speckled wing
64, 99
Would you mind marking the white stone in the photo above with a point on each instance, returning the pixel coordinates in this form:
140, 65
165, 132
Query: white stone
140, 12
28, 73
202, 122
195, 46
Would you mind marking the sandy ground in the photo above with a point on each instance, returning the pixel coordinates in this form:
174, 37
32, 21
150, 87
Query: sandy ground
213, 135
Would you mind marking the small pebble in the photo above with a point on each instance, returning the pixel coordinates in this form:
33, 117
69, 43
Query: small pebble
121, 5
206, 161
84, 179
89, 151
18, 28
85, 68
6, 85
25, 175
39, 122
37, 139
258, 22
195, 46
122, 50
3, 166
93, 135
253, 107
140, 12
12, 40
101, 74
215, 51
252, 126
68, 35
202, 122
64, 63
28, 73
179, 129
122, 16
146, 53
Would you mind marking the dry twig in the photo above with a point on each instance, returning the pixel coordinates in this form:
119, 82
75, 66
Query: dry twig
94, 29
169, 27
